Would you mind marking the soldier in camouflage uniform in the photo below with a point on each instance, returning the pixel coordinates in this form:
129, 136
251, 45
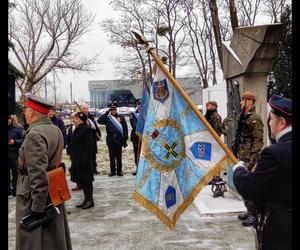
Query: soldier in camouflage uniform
213, 117
215, 120
248, 143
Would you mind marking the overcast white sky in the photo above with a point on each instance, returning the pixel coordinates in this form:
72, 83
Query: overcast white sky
93, 42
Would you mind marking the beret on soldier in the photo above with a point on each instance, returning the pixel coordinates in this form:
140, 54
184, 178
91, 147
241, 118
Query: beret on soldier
81, 116
212, 103
281, 106
38, 104
248, 95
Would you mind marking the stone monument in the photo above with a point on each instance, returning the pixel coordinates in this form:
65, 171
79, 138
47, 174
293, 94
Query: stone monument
247, 61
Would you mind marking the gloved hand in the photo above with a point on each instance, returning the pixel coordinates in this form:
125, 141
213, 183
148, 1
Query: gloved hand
239, 164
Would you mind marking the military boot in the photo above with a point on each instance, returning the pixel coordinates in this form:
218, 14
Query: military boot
243, 216
249, 221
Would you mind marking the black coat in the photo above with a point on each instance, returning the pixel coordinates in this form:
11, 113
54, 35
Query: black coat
82, 155
16, 133
271, 183
113, 134
133, 121
69, 139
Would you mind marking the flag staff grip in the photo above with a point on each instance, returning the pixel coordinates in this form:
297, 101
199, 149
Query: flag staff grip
150, 50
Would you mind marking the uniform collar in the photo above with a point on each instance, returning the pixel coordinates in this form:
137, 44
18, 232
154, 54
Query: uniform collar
40, 120
283, 132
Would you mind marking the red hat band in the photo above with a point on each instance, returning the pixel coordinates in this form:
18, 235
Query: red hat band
37, 107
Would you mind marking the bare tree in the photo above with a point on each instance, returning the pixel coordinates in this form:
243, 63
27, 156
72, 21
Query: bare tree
133, 62
247, 11
274, 9
46, 34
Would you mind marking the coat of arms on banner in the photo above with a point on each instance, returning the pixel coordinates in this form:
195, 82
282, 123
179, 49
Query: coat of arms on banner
160, 90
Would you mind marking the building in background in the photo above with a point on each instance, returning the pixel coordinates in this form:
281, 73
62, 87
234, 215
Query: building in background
126, 91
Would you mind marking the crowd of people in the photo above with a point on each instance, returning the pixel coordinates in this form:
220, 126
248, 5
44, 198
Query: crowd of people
261, 175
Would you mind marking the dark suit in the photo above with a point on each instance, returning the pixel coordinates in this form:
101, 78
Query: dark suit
133, 137
271, 183
96, 137
115, 140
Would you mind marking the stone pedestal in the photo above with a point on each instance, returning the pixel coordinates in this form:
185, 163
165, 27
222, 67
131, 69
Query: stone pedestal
247, 61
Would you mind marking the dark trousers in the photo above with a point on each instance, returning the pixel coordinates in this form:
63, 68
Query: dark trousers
115, 154
87, 190
12, 175
135, 151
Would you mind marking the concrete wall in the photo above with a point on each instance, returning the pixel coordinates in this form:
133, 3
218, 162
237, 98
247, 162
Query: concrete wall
256, 83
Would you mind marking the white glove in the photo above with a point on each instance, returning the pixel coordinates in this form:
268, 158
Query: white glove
239, 164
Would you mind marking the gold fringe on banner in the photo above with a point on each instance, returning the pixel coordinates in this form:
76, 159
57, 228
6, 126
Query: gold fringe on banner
204, 180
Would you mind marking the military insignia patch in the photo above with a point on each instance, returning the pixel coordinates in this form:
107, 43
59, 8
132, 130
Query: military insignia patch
201, 150
160, 90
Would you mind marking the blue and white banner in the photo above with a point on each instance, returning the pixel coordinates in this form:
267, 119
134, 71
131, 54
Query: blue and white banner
142, 114
179, 155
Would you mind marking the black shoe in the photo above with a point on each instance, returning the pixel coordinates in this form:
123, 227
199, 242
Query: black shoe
111, 174
120, 174
96, 172
81, 204
243, 216
14, 192
249, 221
133, 173
88, 204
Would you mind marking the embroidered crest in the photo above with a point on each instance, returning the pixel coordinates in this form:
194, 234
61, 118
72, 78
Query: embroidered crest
201, 150
160, 90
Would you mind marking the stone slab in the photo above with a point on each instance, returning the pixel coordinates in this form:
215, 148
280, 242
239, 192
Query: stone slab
207, 205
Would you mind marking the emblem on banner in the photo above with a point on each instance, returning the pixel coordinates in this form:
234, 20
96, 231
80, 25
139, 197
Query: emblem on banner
160, 90
201, 150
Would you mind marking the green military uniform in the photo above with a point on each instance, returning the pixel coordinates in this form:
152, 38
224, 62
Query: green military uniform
250, 137
215, 120
39, 153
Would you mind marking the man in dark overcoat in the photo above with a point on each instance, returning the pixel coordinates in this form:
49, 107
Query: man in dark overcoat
133, 118
270, 181
91, 122
59, 123
41, 150
117, 135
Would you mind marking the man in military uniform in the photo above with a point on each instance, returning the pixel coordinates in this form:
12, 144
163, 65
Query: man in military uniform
117, 135
270, 181
41, 150
215, 120
133, 117
213, 117
248, 143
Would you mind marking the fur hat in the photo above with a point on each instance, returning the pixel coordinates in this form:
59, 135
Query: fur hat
81, 116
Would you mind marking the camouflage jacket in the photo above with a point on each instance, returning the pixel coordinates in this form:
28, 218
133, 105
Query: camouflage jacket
215, 120
250, 137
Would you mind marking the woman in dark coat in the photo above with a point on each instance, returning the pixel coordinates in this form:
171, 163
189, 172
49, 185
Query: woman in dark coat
82, 159
15, 139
